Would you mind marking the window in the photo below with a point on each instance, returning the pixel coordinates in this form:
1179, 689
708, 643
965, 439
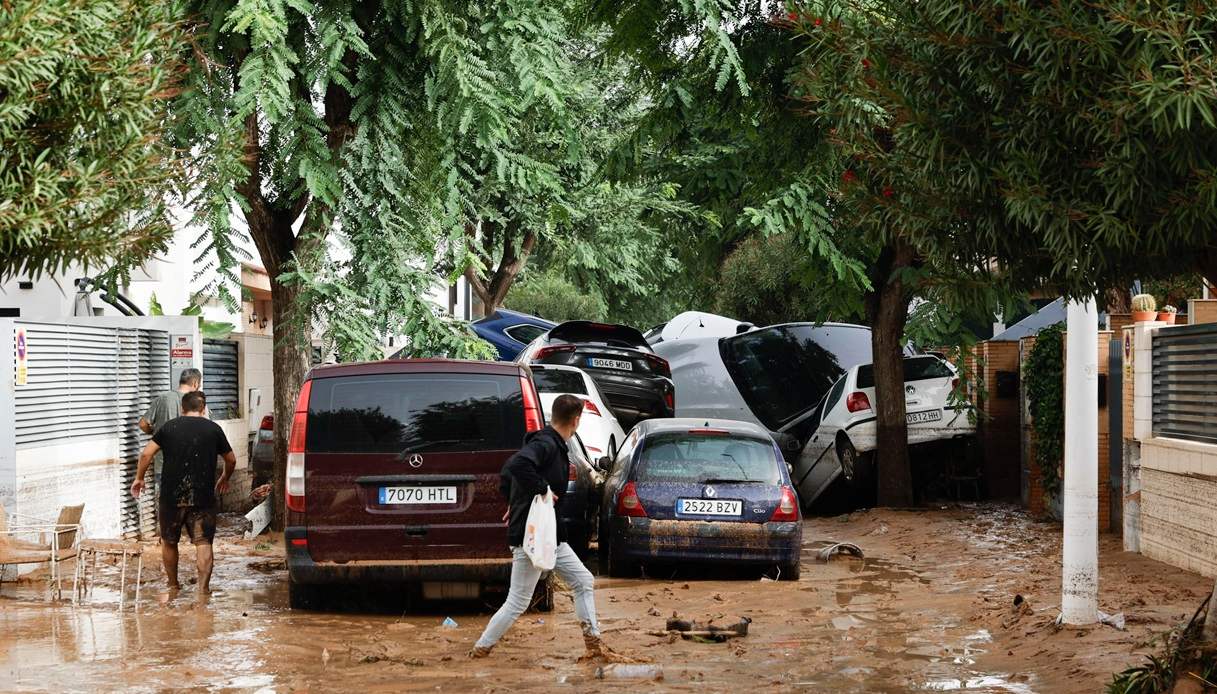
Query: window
693, 458
782, 372
558, 381
394, 413
915, 369
833, 397
524, 333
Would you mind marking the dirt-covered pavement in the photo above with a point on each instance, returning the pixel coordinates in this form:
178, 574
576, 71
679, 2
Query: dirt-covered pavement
931, 607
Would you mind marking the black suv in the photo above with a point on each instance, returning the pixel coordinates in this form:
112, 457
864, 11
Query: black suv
636, 381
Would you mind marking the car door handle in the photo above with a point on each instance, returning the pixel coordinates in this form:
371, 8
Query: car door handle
416, 530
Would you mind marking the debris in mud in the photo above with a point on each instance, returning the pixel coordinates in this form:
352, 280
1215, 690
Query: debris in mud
269, 566
653, 612
1020, 608
383, 653
630, 671
706, 633
836, 548
402, 626
449, 623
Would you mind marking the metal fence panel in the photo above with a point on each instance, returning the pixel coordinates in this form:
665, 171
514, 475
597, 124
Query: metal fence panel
1185, 383
220, 378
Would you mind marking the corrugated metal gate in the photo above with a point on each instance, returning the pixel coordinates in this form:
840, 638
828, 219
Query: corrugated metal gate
1185, 383
220, 379
89, 383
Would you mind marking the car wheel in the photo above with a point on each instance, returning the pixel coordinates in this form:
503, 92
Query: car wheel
302, 597
577, 538
856, 468
622, 568
789, 572
543, 595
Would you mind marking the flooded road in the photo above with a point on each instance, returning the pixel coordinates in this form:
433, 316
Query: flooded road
931, 608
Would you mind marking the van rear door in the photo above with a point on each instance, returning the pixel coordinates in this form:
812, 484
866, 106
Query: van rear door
406, 465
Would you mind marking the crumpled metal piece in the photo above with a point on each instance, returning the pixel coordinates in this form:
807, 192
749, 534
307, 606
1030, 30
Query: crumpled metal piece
826, 553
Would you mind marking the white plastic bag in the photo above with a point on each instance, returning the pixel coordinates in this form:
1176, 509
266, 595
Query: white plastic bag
541, 532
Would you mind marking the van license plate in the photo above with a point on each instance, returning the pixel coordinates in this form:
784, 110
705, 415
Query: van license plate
598, 363
709, 507
417, 495
923, 417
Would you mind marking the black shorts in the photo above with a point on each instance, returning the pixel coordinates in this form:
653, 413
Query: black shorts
200, 524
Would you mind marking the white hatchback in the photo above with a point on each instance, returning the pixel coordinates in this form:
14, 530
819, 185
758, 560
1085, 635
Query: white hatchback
846, 430
599, 429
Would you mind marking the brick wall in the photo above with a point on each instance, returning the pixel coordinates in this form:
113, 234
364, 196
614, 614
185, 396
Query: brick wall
236, 499
998, 423
1202, 311
1033, 491
1178, 517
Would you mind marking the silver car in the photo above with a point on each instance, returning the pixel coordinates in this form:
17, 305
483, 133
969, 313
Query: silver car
775, 376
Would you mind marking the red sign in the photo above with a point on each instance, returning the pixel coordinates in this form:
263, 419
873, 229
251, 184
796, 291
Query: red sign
181, 349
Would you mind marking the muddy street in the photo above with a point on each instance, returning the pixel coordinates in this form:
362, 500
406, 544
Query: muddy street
930, 607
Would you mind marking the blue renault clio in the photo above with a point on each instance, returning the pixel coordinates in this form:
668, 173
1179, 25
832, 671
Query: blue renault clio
696, 491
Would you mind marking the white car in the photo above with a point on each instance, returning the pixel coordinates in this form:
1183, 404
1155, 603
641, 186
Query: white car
845, 434
599, 429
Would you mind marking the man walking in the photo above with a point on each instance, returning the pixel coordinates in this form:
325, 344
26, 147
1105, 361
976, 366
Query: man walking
167, 406
543, 463
187, 498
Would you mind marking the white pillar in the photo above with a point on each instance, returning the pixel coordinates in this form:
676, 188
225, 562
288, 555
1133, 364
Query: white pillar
1080, 575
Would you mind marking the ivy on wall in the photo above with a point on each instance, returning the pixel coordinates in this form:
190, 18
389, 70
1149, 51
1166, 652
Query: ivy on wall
1043, 374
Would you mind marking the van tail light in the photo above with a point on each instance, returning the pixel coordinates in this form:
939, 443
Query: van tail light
857, 402
551, 350
788, 507
295, 451
669, 399
628, 503
532, 409
954, 385
590, 408
268, 423
659, 365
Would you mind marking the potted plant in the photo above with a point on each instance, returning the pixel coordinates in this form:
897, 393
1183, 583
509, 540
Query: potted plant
1144, 308
1167, 314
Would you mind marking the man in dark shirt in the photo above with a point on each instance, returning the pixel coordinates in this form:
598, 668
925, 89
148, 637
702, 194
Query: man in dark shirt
543, 463
191, 444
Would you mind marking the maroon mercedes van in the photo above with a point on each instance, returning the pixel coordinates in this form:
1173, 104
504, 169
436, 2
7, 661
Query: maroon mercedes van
393, 475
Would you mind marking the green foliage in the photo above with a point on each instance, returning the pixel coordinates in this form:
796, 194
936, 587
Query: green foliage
1044, 378
1185, 657
1175, 291
1063, 145
556, 299
380, 130
773, 279
85, 168
208, 328
1144, 302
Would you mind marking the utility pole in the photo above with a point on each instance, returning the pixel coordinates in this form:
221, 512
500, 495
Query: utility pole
1080, 565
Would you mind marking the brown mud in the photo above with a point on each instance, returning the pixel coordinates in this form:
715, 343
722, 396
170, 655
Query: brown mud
930, 608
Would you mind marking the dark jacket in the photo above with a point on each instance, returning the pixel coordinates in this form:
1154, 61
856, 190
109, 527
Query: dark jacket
542, 462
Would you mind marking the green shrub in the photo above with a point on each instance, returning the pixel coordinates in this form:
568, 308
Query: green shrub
556, 299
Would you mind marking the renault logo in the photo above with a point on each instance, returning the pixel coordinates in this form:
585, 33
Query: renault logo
415, 460
710, 492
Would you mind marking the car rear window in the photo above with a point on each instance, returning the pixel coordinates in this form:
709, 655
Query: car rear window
558, 381
393, 413
784, 371
525, 333
915, 369
693, 458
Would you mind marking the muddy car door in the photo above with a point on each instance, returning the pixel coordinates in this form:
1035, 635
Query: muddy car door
817, 465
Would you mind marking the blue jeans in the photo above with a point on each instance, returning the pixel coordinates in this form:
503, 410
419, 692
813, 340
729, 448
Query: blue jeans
524, 578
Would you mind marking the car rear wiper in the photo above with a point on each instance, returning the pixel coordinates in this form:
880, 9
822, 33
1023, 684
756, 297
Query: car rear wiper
717, 480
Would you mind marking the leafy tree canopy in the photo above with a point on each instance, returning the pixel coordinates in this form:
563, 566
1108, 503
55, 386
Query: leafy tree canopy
85, 168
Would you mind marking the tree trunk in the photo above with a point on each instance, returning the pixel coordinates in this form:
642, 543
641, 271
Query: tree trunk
493, 290
887, 310
290, 361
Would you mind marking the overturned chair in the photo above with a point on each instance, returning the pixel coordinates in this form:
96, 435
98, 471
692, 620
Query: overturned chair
54, 543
